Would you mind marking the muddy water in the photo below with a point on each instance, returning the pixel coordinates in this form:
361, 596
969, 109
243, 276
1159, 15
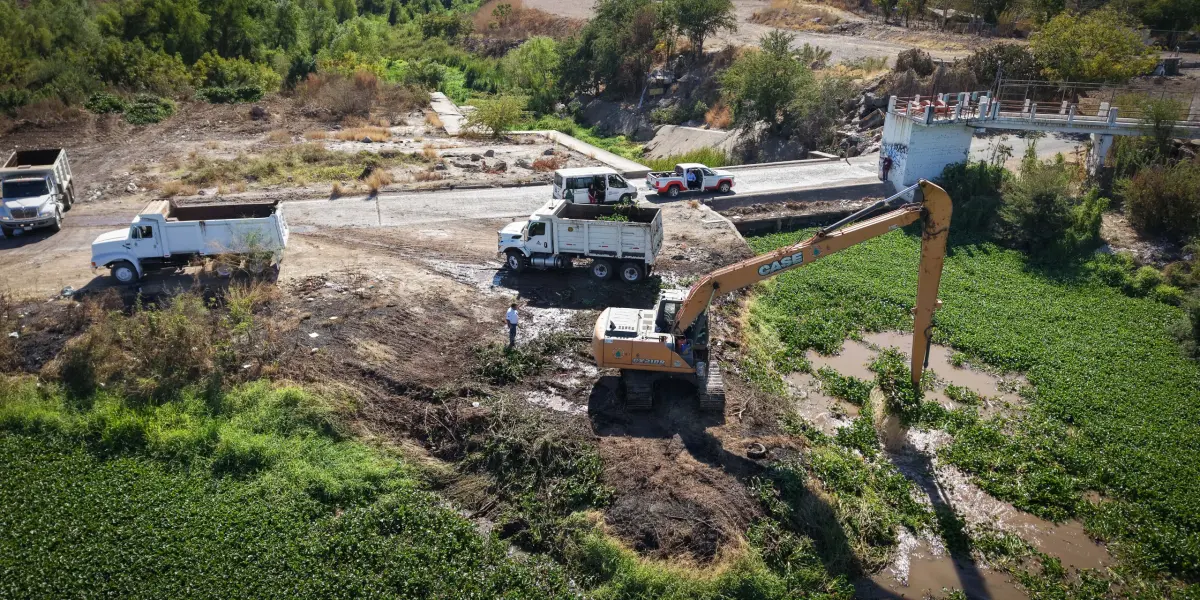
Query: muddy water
928, 571
825, 412
923, 569
998, 392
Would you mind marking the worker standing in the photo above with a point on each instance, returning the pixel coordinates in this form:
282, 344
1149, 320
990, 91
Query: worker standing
511, 318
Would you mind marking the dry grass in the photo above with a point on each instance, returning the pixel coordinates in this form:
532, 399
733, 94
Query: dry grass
337, 191
176, 188
549, 163
236, 187
433, 119
316, 134
279, 136
376, 134
429, 152
49, 111
719, 116
340, 97
427, 176
377, 179
794, 14
521, 23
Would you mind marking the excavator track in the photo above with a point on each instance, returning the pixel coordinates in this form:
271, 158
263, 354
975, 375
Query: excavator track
711, 391
639, 389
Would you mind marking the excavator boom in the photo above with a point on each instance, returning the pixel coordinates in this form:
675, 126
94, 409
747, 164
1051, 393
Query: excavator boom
672, 340
930, 204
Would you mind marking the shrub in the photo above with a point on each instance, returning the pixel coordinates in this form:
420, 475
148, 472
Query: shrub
131, 65
919, 61
147, 109
497, 115
1168, 294
1145, 280
213, 71
1040, 212
13, 98
1187, 330
1015, 60
1165, 200
232, 95
974, 188
104, 102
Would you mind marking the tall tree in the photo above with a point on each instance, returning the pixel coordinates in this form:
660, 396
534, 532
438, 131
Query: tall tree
698, 19
1100, 46
533, 67
763, 83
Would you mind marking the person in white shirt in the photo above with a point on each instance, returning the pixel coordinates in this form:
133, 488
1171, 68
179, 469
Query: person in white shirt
511, 318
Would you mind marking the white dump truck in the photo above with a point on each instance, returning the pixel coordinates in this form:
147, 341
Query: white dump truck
618, 239
166, 235
36, 189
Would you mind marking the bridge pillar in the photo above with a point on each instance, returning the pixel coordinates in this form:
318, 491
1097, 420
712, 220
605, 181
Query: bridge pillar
913, 149
1101, 144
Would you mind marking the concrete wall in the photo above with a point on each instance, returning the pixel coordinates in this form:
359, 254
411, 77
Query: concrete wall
918, 151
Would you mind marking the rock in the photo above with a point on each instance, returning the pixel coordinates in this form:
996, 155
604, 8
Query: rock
131, 188
499, 167
439, 167
548, 152
611, 118
871, 121
490, 153
524, 164
476, 158
466, 166
366, 140
258, 113
678, 257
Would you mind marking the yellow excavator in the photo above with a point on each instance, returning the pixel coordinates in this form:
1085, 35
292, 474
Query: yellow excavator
671, 340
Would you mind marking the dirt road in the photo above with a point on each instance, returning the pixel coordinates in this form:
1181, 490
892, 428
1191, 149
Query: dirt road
843, 47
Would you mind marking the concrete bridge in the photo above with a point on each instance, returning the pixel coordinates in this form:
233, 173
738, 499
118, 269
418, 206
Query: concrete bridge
921, 136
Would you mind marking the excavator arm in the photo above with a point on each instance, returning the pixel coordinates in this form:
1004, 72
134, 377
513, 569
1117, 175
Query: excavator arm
930, 205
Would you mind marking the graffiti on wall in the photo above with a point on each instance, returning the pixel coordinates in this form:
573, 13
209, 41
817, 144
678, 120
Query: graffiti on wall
891, 159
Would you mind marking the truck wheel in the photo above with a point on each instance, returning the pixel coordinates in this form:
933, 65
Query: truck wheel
124, 272
724, 187
70, 200
626, 199
517, 262
9, 232
602, 269
631, 272
56, 226
673, 191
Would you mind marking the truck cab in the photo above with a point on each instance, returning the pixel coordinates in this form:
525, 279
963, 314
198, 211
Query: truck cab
592, 185
35, 190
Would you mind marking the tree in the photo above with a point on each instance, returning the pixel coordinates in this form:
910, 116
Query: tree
761, 84
698, 19
886, 7
496, 115
1014, 60
533, 67
1101, 46
1041, 213
1178, 15
1165, 200
615, 49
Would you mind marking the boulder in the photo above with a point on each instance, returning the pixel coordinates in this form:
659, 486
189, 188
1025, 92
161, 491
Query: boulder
490, 153
548, 152
258, 113
524, 164
871, 121
476, 158
611, 118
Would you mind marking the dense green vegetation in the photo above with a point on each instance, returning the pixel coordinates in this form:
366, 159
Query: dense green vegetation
1116, 404
251, 493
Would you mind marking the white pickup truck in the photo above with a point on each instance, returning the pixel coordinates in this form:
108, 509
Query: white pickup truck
36, 189
689, 177
166, 236
561, 232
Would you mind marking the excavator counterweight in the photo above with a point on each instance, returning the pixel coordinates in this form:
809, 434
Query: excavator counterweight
671, 340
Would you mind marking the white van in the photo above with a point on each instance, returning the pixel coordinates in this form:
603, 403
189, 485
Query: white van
592, 185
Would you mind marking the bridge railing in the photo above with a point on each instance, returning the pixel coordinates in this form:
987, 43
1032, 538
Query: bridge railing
979, 106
